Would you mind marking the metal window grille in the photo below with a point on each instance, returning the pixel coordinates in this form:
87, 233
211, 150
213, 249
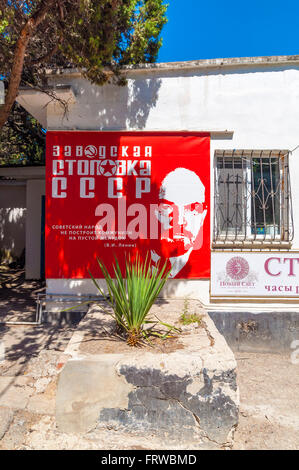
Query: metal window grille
252, 198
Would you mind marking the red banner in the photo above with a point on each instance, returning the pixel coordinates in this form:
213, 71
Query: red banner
111, 193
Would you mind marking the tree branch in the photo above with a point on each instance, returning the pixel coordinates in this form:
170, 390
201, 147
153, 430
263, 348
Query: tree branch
48, 56
18, 62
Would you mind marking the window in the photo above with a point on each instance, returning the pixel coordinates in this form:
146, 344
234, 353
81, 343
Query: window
252, 198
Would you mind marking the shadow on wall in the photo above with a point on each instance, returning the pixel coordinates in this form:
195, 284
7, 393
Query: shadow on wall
143, 95
112, 107
126, 107
12, 233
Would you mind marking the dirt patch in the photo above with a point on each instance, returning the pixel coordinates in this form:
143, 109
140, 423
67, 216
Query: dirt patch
269, 402
102, 337
50, 391
22, 423
115, 344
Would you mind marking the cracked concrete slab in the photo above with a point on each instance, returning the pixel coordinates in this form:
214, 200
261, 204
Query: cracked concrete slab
189, 394
84, 385
6, 417
14, 392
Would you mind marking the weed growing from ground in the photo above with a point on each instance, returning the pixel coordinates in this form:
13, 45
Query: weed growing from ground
188, 318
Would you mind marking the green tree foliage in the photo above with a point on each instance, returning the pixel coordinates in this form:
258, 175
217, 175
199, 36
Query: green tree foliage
108, 34
97, 36
22, 140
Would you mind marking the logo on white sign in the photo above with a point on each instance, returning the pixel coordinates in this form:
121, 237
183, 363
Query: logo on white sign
237, 268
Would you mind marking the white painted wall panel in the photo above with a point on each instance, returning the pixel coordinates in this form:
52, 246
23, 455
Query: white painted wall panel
12, 220
35, 190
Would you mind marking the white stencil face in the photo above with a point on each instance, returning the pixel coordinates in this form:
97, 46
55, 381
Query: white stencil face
181, 211
182, 187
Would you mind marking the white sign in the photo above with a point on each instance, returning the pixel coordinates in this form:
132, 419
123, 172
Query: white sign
268, 274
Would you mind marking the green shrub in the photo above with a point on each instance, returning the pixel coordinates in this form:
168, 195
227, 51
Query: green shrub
132, 296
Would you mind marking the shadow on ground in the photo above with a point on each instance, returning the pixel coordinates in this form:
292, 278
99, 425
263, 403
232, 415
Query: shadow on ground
18, 295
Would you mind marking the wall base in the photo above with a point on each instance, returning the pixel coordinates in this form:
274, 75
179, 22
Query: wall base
258, 332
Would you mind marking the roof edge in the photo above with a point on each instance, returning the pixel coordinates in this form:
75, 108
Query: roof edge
197, 64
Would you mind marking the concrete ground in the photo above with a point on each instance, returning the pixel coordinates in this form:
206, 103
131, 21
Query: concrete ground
269, 411
17, 295
31, 358
29, 364
269, 402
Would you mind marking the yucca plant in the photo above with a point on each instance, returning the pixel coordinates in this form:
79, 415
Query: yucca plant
132, 296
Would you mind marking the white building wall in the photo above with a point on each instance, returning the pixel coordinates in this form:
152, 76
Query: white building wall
35, 190
12, 219
260, 104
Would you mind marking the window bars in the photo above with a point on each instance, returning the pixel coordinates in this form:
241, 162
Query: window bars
252, 198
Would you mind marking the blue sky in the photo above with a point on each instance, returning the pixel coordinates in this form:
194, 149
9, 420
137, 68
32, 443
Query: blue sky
200, 29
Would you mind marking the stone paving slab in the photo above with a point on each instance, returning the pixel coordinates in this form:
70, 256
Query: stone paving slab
15, 392
28, 372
